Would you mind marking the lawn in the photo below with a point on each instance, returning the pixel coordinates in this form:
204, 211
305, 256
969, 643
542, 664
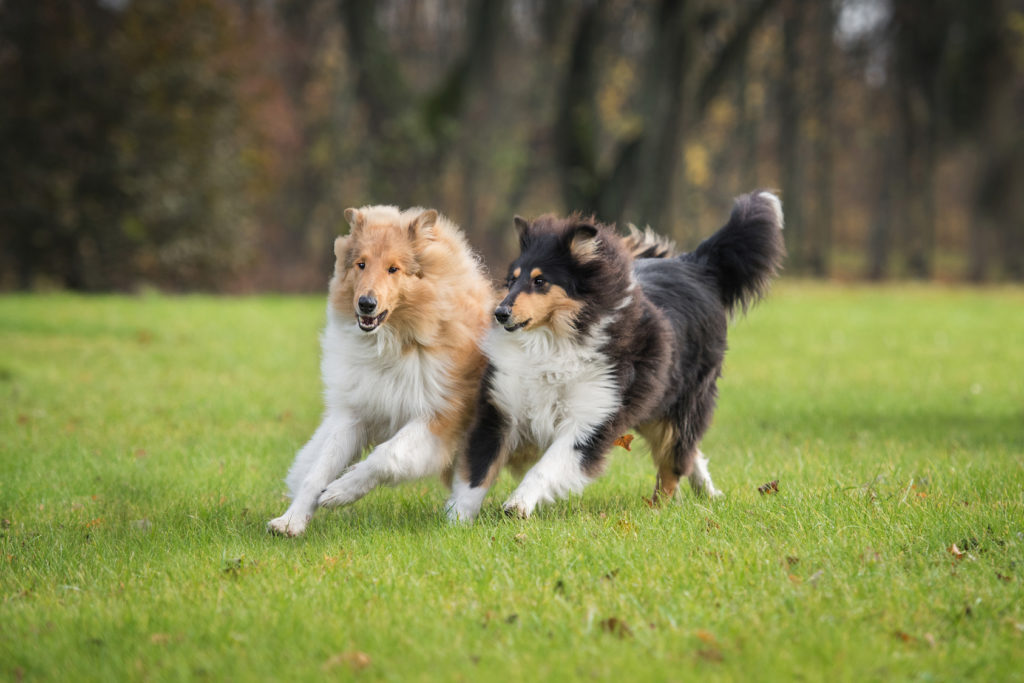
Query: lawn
143, 441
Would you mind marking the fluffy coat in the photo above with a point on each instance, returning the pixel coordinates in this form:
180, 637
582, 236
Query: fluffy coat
401, 362
593, 342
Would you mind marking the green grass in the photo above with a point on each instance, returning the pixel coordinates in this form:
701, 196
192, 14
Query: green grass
143, 443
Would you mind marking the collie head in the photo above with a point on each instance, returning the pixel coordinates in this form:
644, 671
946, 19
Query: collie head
570, 272
378, 267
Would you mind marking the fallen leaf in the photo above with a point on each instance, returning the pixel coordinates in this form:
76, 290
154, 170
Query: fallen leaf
520, 538
956, 552
706, 636
512, 618
625, 440
711, 654
930, 639
1003, 577
616, 627
769, 488
354, 660
795, 579
904, 636
813, 579
792, 560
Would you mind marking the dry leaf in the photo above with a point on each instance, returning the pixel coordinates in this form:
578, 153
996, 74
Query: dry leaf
711, 654
706, 636
355, 660
769, 488
956, 552
624, 441
616, 627
904, 636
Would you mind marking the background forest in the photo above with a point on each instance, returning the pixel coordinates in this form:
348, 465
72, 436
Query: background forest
213, 144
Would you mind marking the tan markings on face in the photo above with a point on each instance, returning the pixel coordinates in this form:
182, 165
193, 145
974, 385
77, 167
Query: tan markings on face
535, 273
517, 272
554, 308
380, 248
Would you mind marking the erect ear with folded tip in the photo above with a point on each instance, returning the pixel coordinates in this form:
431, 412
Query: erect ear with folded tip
522, 228
584, 243
355, 218
422, 227
341, 251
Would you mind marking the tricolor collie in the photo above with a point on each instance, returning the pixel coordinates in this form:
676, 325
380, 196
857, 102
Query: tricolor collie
401, 362
599, 335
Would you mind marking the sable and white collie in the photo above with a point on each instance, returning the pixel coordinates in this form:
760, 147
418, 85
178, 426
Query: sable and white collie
407, 309
601, 334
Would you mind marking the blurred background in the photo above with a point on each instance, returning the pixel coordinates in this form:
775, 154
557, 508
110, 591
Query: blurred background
214, 144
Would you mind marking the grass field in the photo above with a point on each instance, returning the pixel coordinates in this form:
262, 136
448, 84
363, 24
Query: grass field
143, 442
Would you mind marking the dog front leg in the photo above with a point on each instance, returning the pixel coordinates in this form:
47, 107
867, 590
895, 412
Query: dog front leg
329, 451
479, 465
412, 453
557, 474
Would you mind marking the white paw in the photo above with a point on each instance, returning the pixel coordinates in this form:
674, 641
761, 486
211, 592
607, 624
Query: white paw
335, 495
517, 507
288, 524
458, 514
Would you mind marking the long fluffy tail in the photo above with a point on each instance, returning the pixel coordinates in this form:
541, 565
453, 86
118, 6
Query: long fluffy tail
746, 253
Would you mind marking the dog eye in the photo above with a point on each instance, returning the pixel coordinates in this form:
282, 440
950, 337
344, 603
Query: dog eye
509, 282
361, 265
393, 269
538, 282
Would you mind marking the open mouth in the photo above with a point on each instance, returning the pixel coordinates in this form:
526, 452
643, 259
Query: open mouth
517, 326
369, 323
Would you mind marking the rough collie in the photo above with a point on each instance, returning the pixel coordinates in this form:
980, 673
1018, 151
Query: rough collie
401, 361
599, 335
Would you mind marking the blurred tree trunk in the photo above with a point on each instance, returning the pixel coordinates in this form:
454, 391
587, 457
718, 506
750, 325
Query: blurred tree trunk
674, 96
410, 134
748, 128
790, 134
822, 142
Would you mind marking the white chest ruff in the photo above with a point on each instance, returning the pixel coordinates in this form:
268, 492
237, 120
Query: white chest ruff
378, 381
549, 387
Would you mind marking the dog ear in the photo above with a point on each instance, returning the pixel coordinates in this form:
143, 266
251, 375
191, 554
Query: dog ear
584, 243
522, 229
355, 218
341, 252
422, 227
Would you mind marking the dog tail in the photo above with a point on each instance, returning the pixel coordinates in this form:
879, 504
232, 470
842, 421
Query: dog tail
647, 244
747, 252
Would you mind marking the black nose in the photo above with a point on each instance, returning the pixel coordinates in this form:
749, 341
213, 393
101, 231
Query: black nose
502, 314
367, 305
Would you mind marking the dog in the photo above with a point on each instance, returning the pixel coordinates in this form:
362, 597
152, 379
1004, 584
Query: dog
600, 334
407, 309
